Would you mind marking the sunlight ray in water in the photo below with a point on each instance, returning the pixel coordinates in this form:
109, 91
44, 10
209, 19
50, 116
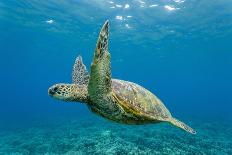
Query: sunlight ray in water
170, 8
119, 17
126, 6
153, 5
50, 21
118, 5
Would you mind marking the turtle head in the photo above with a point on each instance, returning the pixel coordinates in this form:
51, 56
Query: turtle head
69, 92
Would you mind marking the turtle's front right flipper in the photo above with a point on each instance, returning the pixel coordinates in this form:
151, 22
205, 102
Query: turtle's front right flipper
100, 73
102, 43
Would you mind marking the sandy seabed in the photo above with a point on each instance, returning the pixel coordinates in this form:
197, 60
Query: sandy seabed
102, 137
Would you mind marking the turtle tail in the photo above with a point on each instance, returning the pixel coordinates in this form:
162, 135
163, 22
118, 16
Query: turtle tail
182, 125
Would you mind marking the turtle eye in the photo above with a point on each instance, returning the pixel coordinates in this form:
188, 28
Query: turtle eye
55, 89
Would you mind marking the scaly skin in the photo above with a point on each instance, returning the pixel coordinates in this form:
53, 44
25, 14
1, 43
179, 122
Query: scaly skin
99, 87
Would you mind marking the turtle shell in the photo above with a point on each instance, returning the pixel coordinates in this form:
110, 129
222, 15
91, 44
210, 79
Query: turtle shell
139, 100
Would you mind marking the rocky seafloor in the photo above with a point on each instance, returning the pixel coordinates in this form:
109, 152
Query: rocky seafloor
99, 136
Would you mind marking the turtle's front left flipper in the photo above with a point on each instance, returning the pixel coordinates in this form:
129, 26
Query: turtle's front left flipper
80, 74
100, 74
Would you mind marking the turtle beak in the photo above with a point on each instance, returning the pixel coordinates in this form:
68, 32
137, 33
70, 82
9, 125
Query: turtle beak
51, 91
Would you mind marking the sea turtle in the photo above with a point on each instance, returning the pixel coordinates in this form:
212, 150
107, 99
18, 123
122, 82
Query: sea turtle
117, 100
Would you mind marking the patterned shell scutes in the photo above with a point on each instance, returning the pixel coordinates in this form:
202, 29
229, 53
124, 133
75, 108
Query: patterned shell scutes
80, 74
138, 98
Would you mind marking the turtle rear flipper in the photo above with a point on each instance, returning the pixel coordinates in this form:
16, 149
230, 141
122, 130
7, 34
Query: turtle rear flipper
182, 125
100, 74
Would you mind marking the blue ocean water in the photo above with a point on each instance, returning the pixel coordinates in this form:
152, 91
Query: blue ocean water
178, 49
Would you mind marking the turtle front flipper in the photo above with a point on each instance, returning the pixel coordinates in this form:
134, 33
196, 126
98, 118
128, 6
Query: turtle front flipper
80, 74
100, 75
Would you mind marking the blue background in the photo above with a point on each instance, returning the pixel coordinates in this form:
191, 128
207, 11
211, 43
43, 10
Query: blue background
183, 55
